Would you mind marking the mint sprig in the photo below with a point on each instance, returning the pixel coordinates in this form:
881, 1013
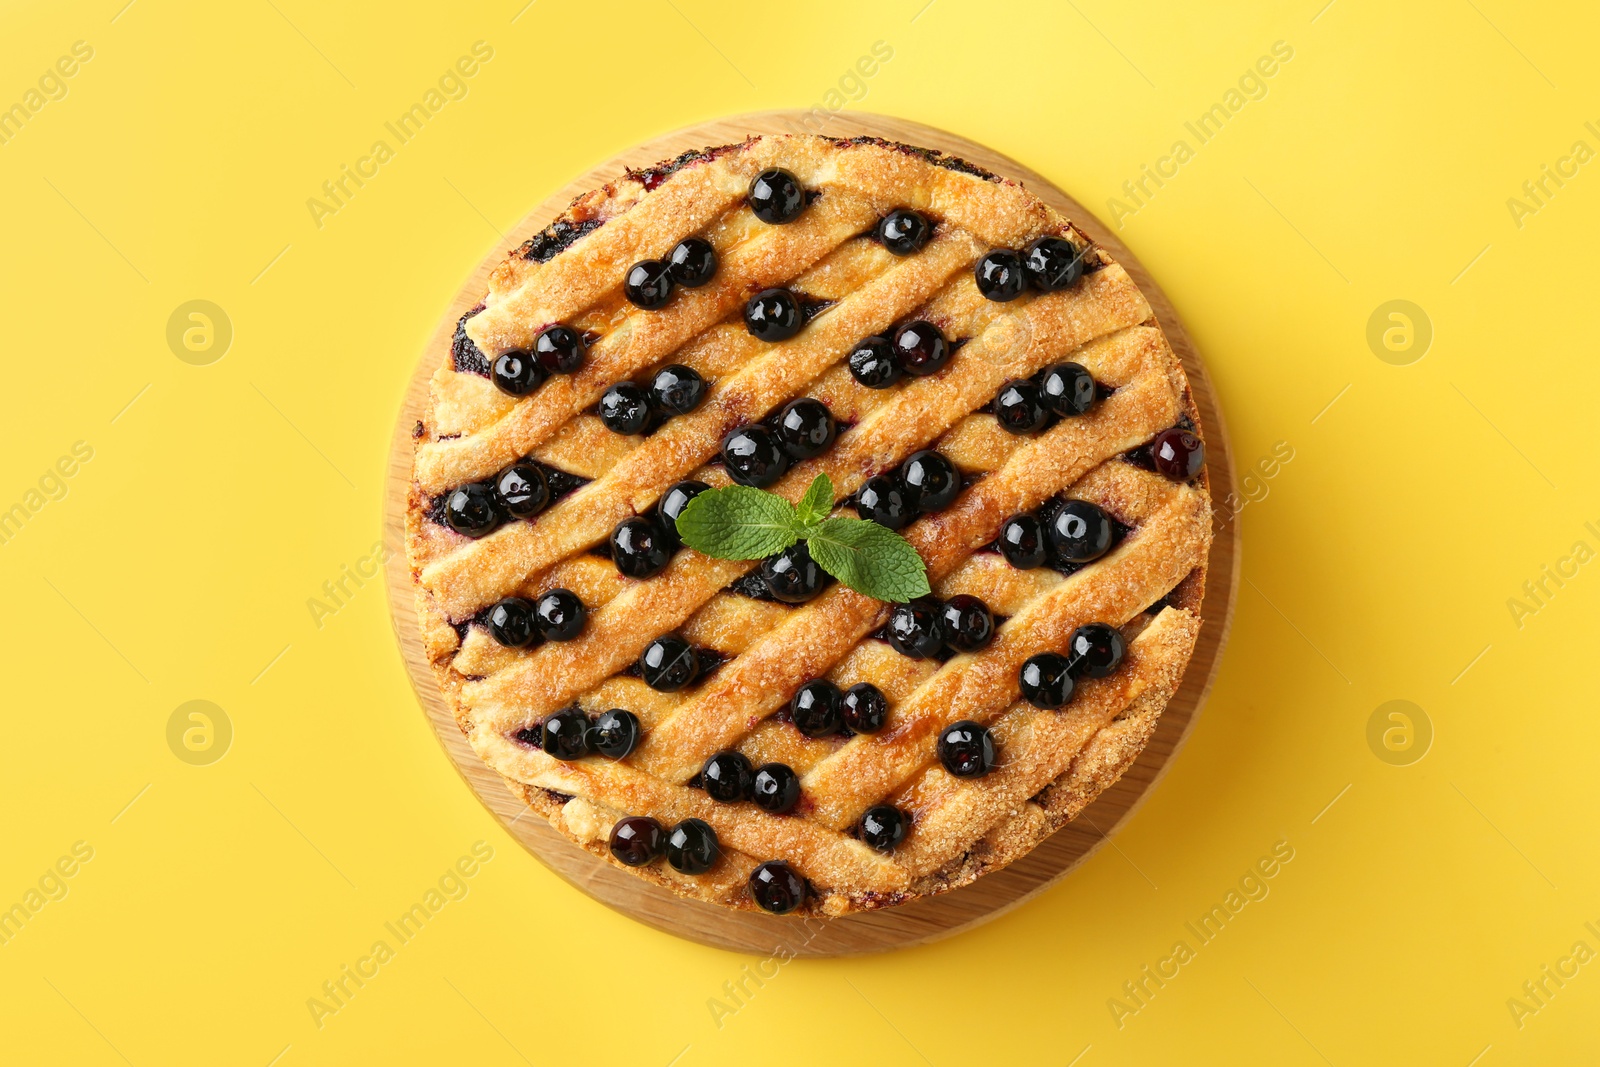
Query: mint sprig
740, 522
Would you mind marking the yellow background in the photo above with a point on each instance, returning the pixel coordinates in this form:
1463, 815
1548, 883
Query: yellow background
1377, 567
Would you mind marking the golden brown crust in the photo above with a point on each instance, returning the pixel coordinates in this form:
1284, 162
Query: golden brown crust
1054, 763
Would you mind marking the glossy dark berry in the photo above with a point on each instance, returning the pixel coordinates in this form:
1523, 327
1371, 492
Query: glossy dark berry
1019, 407
692, 263
967, 623
559, 349
753, 456
1052, 263
885, 501
776, 788
816, 708
1046, 680
1178, 454
639, 548
565, 735
1022, 543
967, 749
792, 576
692, 847
560, 615
727, 777
931, 480
1080, 532
915, 629
511, 622
625, 408
1000, 275
805, 428
677, 390
776, 197
864, 708
522, 490
470, 510
517, 373
883, 826
1068, 389
1095, 650
777, 888
920, 348
648, 285
903, 231
872, 363
668, 663
671, 505
614, 733
773, 315
636, 840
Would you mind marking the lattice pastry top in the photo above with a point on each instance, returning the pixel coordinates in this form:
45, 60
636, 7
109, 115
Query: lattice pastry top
965, 366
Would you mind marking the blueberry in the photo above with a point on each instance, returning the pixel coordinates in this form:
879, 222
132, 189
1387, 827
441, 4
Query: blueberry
1000, 275
1019, 407
516, 373
1178, 454
668, 663
872, 363
967, 623
648, 285
792, 576
614, 733
560, 615
692, 263
564, 735
636, 840
1080, 532
671, 505
639, 549
931, 481
914, 629
559, 349
903, 231
967, 749
1046, 680
511, 622
1095, 650
885, 501
776, 788
815, 708
773, 315
776, 197
521, 490
753, 456
883, 826
624, 408
920, 348
692, 847
805, 428
727, 777
1068, 389
1052, 263
470, 510
677, 390
777, 888
864, 709
1022, 543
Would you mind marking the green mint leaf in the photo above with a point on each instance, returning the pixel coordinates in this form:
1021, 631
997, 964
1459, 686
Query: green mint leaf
817, 502
738, 522
869, 558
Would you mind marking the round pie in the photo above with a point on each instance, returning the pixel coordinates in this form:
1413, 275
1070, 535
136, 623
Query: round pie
965, 366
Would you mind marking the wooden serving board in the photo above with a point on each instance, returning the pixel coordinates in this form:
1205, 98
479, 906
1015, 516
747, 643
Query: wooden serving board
922, 920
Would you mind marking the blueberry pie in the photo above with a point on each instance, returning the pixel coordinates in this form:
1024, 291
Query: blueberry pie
968, 369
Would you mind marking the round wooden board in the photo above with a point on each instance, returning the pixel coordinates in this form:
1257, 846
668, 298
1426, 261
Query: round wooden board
922, 920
